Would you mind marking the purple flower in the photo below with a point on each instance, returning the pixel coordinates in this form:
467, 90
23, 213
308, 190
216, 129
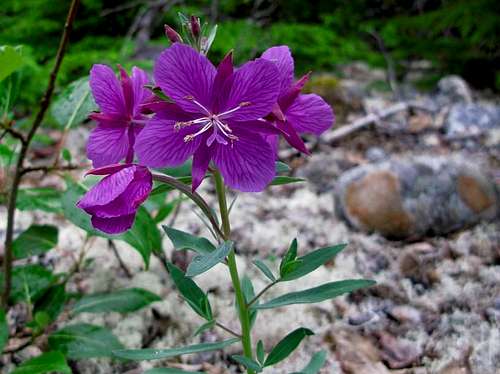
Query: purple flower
113, 202
120, 120
296, 113
216, 116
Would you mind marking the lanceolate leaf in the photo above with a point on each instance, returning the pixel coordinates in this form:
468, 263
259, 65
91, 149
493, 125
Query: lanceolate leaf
249, 294
289, 256
317, 362
156, 354
247, 362
261, 354
44, 198
84, 341
283, 179
265, 269
190, 291
37, 239
4, 329
317, 294
202, 263
48, 362
182, 240
286, 346
281, 167
122, 301
206, 326
29, 282
312, 261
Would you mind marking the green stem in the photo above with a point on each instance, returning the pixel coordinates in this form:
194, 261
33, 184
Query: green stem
244, 315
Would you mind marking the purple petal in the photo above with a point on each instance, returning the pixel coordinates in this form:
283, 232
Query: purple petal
108, 189
222, 82
310, 114
282, 57
254, 88
107, 90
128, 91
261, 126
291, 136
141, 94
159, 144
108, 169
274, 142
201, 159
115, 225
247, 164
287, 99
182, 73
108, 143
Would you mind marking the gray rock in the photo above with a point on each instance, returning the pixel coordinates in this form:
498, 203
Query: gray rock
465, 121
410, 198
453, 89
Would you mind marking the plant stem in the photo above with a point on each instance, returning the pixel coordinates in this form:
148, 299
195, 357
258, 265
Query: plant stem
18, 172
246, 338
251, 302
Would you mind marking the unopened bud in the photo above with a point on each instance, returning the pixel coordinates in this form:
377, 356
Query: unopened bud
195, 26
172, 35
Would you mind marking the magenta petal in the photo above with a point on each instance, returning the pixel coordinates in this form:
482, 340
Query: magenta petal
282, 57
115, 225
274, 142
108, 169
261, 126
247, 164
310, 114
222, 82
108, 144
107, 90
287, 99
159, 144
254, 88
291, 136
141, 94
184, 74
201, 160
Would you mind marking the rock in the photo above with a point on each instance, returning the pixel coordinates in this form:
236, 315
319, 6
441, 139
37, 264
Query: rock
398, 353
466, 121
409, 198
453, 89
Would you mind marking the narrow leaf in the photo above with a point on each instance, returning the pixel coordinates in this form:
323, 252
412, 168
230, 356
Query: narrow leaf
43, 198
84, 341
37, 239
289, 256
182, 240
283, 179
317, 294
249, 294
206, 326
281, 167
261, 354
48, 362
247, 362
156, 354
265, 269
4, 329
122, 301
287, 345
202, 263
317, 362
312, 261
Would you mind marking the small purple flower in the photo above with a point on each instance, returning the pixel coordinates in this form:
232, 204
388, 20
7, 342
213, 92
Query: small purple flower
296, 113
113, 202
120, 120
216, 116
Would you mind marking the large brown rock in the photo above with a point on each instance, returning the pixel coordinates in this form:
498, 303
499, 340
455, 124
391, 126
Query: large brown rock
407, 199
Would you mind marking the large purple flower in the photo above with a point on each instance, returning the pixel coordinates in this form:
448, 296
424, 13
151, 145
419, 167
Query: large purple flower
296, 113
113, 202
120, 119
216, 116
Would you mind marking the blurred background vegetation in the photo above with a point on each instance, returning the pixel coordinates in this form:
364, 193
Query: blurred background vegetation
453, 36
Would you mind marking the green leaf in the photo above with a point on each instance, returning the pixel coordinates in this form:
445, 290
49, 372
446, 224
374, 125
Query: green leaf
167, 188
84, 341
66, 155
290, 267
261, 354
29, 282
170, 371
74, 104
4, 329
283, 179
157, 354
190, 291
315, 364
122, 301
37, 239
48, 362
45, 198
11, 59
206, 326
265, 269
281, 167
317, 294
202, 263
52, 301
182, 240
249, 294
312, 261
289, 256
9, 90
247, 362
287, 345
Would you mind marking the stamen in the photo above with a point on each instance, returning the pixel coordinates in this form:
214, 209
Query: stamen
189, 97
241, 105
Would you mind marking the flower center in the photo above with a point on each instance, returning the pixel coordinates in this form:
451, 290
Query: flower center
221, 130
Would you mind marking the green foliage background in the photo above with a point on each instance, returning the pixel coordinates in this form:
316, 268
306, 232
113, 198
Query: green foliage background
458, 36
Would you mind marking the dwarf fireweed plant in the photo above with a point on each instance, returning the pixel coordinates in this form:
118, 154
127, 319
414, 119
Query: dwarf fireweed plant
191, 122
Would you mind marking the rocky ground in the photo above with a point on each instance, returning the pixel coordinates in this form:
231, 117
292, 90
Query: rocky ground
436, 305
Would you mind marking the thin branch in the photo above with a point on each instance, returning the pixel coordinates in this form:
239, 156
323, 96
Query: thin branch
44, 105
123, 266
14, 133
48, 169
264, 290
391, 71
227, 329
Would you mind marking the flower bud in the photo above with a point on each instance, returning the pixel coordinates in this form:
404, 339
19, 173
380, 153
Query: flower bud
195, 26
172, 35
